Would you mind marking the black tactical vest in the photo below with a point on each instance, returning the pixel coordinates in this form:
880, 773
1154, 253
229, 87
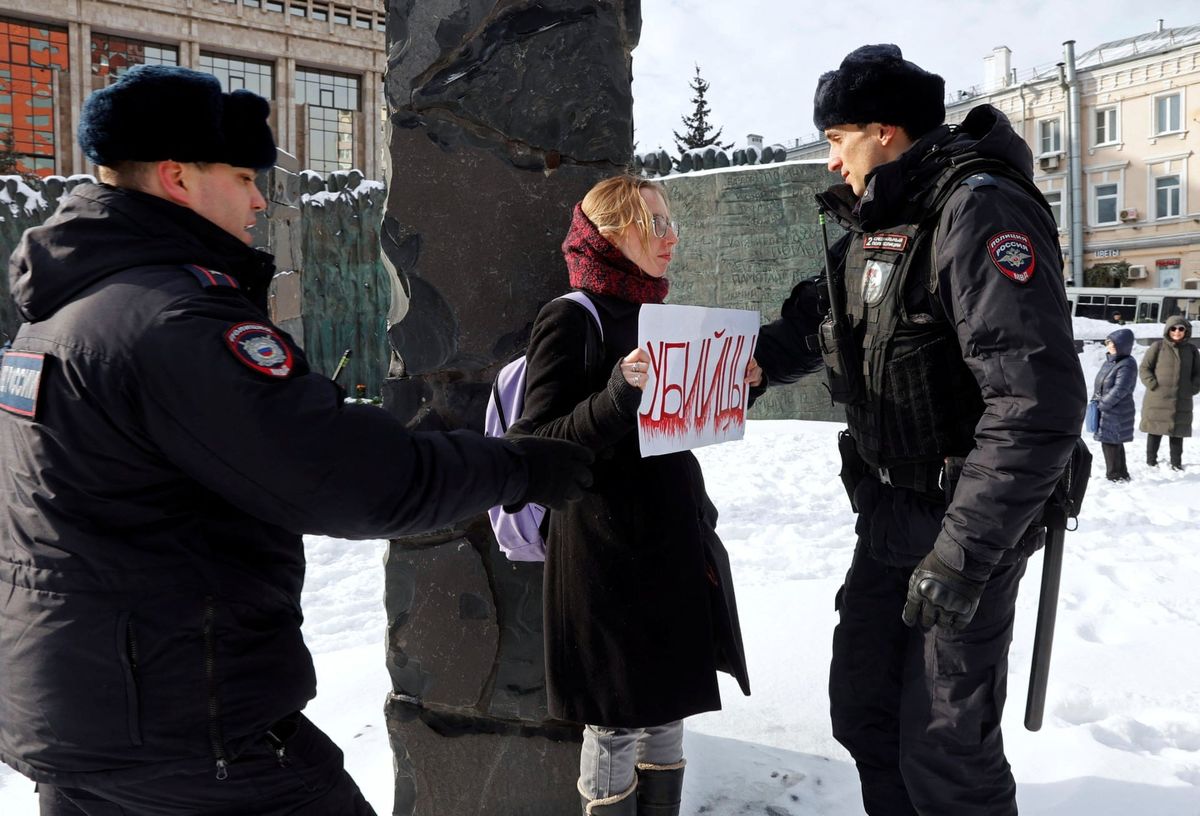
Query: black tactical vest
922, 403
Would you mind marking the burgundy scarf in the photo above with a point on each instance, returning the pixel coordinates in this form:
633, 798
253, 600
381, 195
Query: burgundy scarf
596, 264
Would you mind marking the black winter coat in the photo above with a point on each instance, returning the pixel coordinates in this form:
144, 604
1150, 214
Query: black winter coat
151, 509
1015, 337
637, 617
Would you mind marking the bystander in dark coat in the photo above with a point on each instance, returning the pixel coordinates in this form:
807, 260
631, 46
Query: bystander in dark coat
1113, 390
1170, 370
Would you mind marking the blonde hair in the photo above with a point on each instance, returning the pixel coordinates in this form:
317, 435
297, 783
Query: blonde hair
616, 204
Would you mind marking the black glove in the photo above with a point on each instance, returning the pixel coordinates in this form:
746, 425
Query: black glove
807, 304
939, 595
789, 348
558, 471
626, 397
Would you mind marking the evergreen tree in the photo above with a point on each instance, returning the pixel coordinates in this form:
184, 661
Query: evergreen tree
8, 154
698, 127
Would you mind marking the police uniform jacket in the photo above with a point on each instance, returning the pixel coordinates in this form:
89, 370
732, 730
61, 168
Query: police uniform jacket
639, 604
164, 448
983, 342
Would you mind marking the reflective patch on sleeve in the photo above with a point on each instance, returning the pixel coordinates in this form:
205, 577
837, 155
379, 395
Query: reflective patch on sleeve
209, 278
261, 348
1012, 253
20, 379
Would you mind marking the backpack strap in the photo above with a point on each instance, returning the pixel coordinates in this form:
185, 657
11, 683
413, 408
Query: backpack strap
592, 356
586, 302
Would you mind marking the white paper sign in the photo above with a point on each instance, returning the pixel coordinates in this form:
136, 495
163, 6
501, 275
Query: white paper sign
696, 390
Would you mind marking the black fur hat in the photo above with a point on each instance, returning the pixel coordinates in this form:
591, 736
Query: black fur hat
159, 112
876, 84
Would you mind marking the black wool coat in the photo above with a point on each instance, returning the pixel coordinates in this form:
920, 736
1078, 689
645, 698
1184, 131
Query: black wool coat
639, 605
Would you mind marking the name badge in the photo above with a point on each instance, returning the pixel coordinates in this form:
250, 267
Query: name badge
20, 379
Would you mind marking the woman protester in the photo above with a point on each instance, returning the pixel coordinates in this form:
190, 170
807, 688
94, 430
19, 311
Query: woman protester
1114, 392
639, 604
1170, 371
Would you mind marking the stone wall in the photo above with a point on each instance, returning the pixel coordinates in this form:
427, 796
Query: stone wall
331, 292
749, 235
25, 203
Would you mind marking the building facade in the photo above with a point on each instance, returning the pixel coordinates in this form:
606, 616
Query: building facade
1138, 135
320, 64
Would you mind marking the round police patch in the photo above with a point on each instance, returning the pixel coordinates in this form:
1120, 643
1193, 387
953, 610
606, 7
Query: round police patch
1012, 253
261, 348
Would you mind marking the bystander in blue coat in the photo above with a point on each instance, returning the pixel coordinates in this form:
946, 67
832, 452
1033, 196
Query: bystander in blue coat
1114, 391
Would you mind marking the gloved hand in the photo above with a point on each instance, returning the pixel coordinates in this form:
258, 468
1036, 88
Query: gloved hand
937, 594
558, 471
807, 304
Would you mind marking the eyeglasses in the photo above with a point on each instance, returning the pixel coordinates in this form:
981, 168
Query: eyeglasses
660, 223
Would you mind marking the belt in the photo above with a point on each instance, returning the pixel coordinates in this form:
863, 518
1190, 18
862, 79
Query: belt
923, 477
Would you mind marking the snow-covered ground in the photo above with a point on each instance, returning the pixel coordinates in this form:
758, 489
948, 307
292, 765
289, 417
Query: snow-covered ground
1122, 727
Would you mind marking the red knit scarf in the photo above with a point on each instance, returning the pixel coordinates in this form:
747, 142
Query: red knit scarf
596, 264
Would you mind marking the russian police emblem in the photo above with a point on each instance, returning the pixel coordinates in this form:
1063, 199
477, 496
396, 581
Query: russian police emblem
261, 348
1012, 253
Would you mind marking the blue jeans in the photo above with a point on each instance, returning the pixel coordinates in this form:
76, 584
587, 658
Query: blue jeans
609, 758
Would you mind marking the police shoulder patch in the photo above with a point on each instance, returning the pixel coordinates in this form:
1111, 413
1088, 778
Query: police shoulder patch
261, 348
1012, 253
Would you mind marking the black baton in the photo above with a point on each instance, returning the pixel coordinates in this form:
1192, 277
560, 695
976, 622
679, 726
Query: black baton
1043, 638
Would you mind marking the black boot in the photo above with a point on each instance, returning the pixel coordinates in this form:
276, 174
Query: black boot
1176, 443
659, 790
623, 804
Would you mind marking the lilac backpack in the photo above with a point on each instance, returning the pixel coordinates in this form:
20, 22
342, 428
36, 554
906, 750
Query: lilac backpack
519, 534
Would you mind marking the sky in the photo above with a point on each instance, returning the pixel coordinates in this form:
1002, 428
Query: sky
1121, 734
763, 57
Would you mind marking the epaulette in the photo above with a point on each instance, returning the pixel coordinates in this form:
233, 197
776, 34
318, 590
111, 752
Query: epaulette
209, 278
978, 180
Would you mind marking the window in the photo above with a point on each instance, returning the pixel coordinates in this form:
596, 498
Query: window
362, 20
112, 56
298, 10
29, 56
320, 13
274, 5
251, 3
341, 18
1105, 198
1049, 137
1166, 196
333, 101
1054, 199
1167, 110
1106, 127
236, 73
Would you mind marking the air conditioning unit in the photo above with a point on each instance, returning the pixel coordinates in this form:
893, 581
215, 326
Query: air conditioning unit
1049, 162
1137, 272
1130, 214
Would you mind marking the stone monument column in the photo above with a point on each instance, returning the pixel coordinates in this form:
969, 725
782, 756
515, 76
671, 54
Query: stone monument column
502, 114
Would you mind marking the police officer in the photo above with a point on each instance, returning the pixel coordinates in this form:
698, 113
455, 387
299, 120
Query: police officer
950, 345
164, 448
